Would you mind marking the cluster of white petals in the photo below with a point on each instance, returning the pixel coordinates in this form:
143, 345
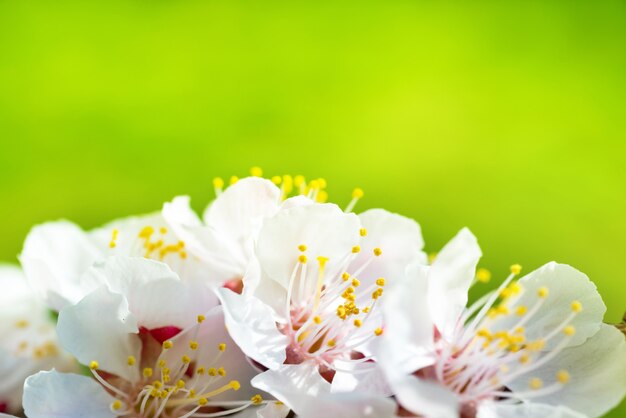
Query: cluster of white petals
276, 304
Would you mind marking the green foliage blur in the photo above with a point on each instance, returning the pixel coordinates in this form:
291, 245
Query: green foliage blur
507, 117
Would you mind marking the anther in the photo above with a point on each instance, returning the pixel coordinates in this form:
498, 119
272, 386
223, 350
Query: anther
302, 247
569, 330
377, 251
193, 345
302, 258
535, 383
185, 359
277, 180
356, 249
167, 344
147, 372
131, 360
234, 384
357, 323
516, 269
380, 281
233, 180
221, 347
542, 292
577, 306
362, 232
483, 275
94, 365
357, 193
201, 319
221, 371
256, 400
317, 320
562, 376
256, 172
378, 332
116, 405
345, 276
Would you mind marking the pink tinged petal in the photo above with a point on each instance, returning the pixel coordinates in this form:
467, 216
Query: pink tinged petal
564, 285
54, 257
407, 343
349, 405
252, 325
425, 398
400, 240
155, 294
525, 410
59, 395
597, 371
323, 228
100, 327
451, 276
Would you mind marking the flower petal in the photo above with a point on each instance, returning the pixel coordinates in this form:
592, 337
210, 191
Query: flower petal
524, 410
252, 325
155, 294
55, 256
425, 398
323, 228
597, 371
407, 342
60, 395
239, 211
451, 276
100, 327
348, 405
400, 240
565, 285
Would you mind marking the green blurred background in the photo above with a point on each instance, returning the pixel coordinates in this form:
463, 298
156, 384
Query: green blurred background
507, 117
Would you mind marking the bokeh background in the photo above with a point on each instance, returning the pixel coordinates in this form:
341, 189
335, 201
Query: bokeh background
507, 117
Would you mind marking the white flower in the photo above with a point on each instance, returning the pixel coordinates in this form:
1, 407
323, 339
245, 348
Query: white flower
57, 254
311, 299
533, 347
29, 342
154, 345
224, 238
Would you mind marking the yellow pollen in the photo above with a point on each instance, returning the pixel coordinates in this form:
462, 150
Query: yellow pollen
212, 371
302, 247
147, 372
362, 232
298, 180
277, 180
193, 345
577, 306
162, 363
562, 376
525, 358
377, 251
356, 282
94, 365
131, 360
521, 310
542, 292
345, 277
221, 371
221, 347
535, 383
356, 249
380, 281
256, 399
302, 258
322, 261
235, 385
314, 184
256, 172
200, 371
117, 404
163, 230
167, 345
202, 401
483, 275
331, 343
233, 180
317, 320
185, 359
218, 183
157, 384
180, 384
569, 330
516, 269
378, 332
357, 193
357, 323
201, 319
22, 323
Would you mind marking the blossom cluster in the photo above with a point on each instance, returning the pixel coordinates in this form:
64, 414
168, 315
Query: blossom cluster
275, 303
